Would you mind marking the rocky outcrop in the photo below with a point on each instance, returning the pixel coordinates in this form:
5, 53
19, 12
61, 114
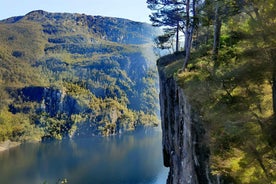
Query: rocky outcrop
51, 101
184, 150
8, 145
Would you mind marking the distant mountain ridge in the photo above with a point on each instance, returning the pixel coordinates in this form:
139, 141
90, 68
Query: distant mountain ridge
127, 31
75, 75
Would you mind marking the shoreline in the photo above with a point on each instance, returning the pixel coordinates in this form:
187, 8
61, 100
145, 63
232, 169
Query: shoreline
6, 145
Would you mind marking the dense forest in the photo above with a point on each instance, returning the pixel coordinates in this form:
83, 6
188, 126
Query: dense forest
227, 69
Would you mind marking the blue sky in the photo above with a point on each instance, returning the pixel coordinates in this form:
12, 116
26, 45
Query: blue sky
131, 9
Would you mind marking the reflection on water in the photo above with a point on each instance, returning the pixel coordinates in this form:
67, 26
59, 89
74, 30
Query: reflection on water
128, 159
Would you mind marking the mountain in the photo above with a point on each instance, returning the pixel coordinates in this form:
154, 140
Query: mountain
67, 75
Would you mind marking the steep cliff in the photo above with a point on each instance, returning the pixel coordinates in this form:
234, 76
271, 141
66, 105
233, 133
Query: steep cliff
184, 149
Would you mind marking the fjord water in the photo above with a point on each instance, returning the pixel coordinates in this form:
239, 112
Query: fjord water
134, 158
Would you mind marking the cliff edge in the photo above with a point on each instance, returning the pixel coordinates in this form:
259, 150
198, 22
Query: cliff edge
184, 150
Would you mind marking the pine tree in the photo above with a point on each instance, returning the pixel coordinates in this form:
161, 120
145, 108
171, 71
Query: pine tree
177, 15
169, 14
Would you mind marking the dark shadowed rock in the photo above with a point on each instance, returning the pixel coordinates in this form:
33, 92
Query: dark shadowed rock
183, 134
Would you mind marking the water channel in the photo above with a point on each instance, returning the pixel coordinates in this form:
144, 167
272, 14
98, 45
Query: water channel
132, 158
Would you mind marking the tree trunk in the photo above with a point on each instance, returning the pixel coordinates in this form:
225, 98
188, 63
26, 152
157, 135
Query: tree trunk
189, 30
216, 44
188, 45
260, 161
274, 87
177, 38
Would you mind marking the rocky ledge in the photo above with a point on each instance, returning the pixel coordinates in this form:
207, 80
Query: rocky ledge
184, 150
7, 145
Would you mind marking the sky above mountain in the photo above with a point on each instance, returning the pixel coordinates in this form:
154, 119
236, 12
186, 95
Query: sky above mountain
130, 9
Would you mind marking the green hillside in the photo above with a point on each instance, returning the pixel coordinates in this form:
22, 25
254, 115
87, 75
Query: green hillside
234, 94
66, 75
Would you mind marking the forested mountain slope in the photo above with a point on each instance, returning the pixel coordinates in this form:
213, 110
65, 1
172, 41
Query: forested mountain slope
67, 74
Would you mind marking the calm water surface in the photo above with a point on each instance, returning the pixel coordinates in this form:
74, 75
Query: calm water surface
134, 158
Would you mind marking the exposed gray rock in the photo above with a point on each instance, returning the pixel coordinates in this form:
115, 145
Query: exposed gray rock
183, 133
51, 100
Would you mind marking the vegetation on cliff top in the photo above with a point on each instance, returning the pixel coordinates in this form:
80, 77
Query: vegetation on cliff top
232, 89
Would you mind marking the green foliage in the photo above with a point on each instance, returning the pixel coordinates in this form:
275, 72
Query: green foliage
18, 127
102, 75
235, 98
54, 127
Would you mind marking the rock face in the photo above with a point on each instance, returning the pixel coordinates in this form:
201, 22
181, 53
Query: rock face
7, 145
184, 150
51, 101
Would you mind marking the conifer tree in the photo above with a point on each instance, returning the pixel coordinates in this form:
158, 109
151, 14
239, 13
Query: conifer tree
177, 15
190, 23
